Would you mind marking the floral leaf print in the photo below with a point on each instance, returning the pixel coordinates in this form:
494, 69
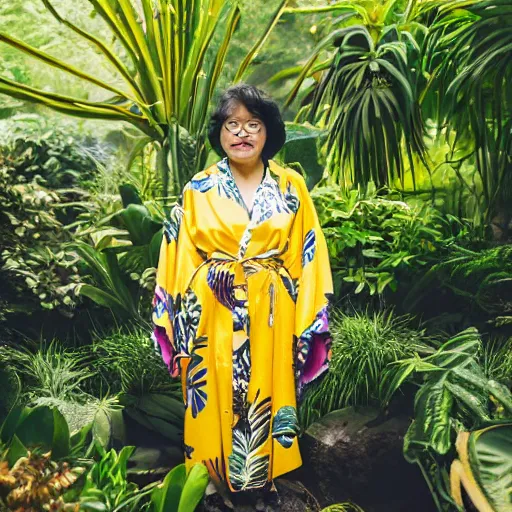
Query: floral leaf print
259, 421
163, 305
241, 320
220, 279
188, 450
241, 376
290, 284
162, 302
285, 426
201, 184
291, 198
268, 201
196, 379
196, 395
186, 320
216, 469
309, 247
173, 223
163, 347
247, 469
313, 350
225, 187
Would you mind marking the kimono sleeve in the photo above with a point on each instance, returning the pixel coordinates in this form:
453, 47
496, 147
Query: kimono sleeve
178, 260
314, 292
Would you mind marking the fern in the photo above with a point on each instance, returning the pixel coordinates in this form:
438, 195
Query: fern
481, 278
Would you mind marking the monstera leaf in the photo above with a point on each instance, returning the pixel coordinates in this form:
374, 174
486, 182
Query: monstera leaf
484, 468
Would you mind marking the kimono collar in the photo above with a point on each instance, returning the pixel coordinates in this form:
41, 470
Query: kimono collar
223, 166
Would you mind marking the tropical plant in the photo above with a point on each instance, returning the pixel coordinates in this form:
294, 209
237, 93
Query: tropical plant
396, 80
111, 288
467, 52
55, 377
180, 491
172, 56
41, 174
496, 359
375, 241
42, 429
51, 371
122, 257
127, 362
128, 366
302, 147
362, 346
35, 267
367, 96
36, 483
33, 146
454, 396
484, 468
106, 486
480, 280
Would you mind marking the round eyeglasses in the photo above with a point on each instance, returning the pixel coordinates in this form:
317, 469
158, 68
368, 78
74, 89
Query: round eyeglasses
235, 127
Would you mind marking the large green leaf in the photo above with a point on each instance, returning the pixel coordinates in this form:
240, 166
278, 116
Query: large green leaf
16, 415
139, 223
60, 442
39, 427
158, 412
166, 498
484, 468
114, 292
193, 491
16, 450
490, 456
432, 427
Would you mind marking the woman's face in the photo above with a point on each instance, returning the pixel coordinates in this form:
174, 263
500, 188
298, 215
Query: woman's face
244, 148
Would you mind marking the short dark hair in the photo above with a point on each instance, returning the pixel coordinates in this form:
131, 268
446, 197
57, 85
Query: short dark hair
257, 103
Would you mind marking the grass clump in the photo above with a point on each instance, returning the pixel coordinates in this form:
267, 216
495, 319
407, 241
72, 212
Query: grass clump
362, 346
127, 362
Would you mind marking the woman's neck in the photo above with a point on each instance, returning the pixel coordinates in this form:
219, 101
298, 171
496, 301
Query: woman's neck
247, 170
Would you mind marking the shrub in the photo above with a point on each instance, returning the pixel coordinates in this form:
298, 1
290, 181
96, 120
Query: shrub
42, 172
362, 346
477, 283
377, 243
128, 363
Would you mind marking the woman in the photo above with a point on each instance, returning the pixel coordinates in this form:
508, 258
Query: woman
240, 308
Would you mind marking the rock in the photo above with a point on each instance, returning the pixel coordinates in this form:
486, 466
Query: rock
293, 495
351, 454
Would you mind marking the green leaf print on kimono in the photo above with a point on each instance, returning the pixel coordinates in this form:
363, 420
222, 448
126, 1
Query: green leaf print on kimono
187, 313
247, 468
186, 321
285, 426
196, 379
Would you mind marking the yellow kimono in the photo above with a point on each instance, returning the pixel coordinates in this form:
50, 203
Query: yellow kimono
240, 312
